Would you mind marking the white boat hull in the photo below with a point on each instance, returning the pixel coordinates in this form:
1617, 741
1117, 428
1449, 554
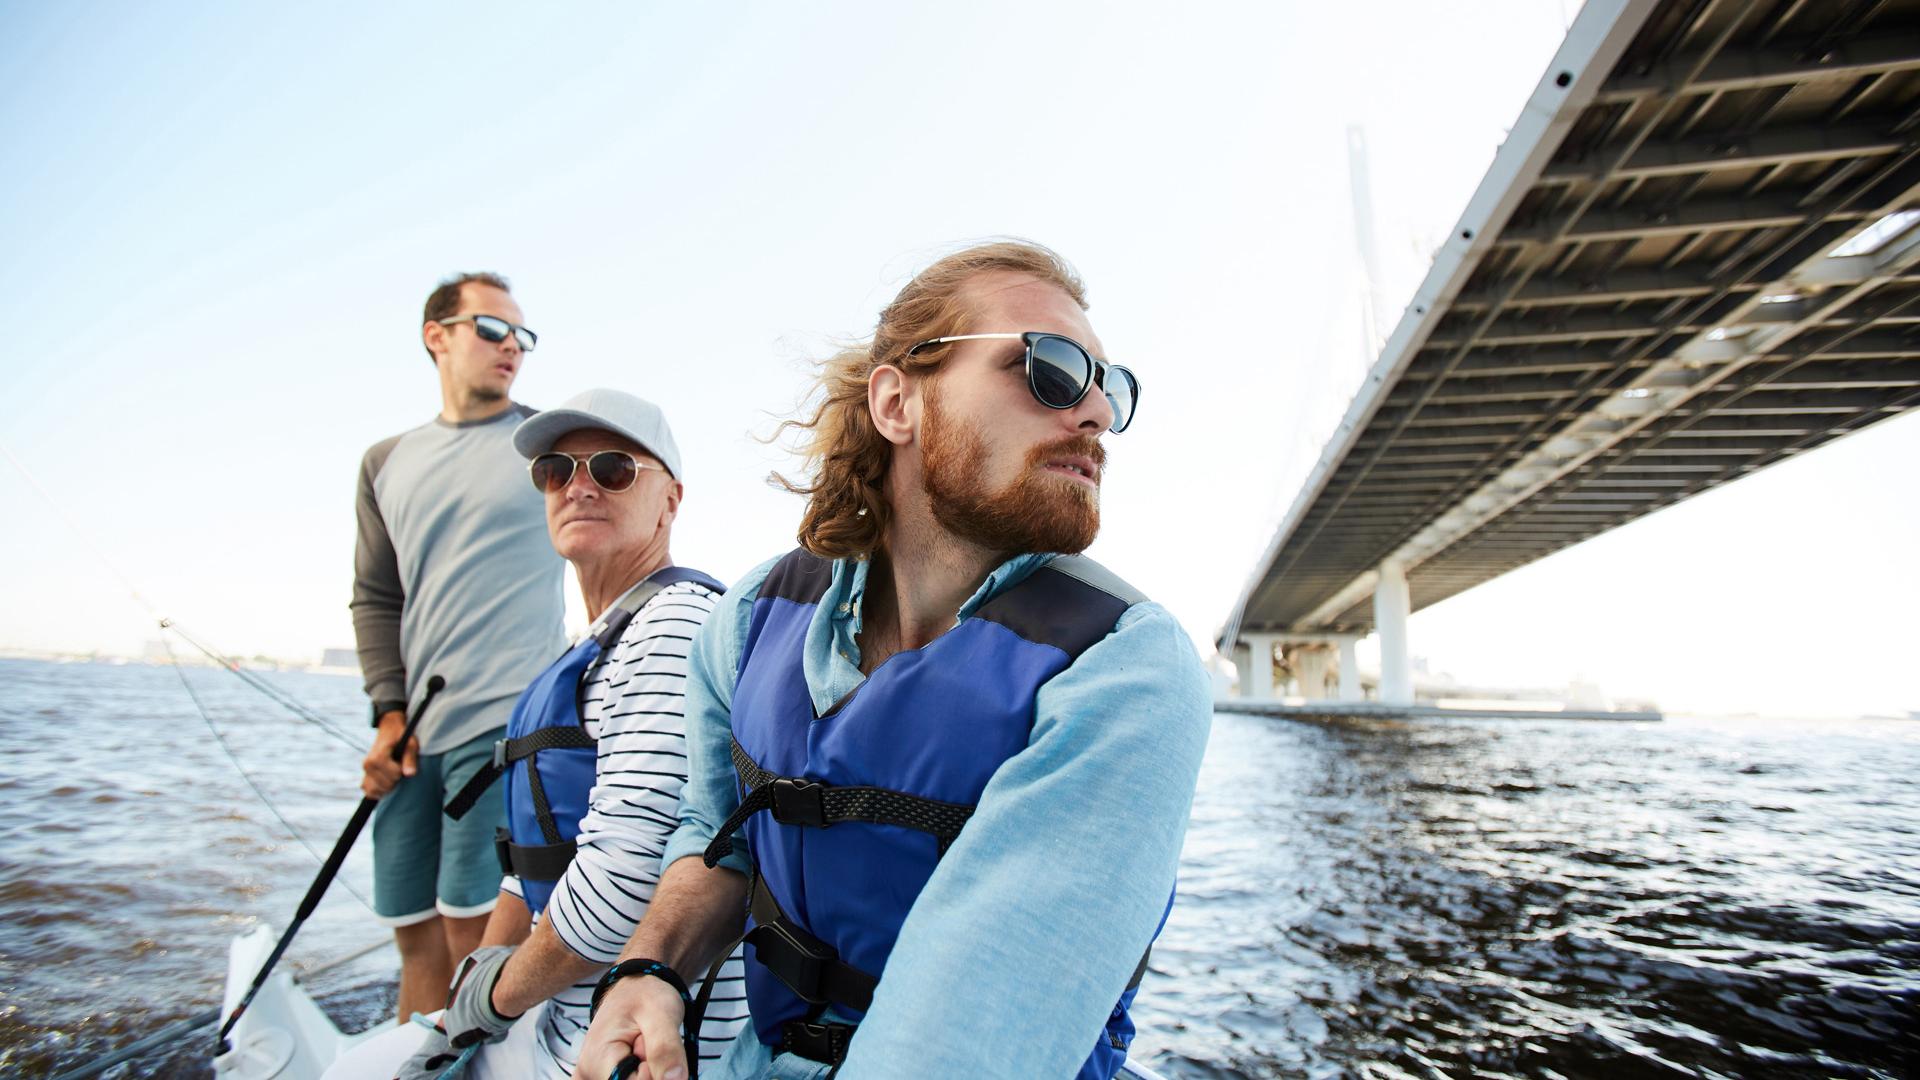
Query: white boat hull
283, 1035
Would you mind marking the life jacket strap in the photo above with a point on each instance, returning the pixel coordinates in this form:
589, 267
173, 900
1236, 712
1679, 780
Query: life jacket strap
539, 862
796, 800
607, 631
813, 970
508, 751
810, 967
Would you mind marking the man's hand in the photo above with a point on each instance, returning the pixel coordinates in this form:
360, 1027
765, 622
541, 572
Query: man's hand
381, 771
470, 1017
641, 1017
432, 1059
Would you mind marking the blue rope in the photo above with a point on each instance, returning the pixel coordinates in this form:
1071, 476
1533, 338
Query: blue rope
458, 1063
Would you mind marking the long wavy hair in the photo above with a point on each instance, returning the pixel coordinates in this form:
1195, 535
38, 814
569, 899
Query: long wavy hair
846, 459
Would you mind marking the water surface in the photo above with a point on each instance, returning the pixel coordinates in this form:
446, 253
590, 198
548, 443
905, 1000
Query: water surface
1369, 899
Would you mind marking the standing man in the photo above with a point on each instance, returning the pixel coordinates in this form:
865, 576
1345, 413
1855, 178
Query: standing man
946, 769
453, 576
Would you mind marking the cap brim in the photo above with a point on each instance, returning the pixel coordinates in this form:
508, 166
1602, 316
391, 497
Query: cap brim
537, 434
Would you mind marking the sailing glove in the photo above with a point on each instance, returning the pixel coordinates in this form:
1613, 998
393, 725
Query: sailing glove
469, 1019
433, 1058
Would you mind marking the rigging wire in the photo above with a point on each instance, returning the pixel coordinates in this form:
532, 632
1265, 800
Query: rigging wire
279, 697
284, 700
205, 1019
221, 741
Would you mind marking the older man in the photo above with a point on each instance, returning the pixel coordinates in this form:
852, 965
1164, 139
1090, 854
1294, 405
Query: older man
594, 757
945, 769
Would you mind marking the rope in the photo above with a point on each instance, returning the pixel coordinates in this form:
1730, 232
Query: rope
458, 1063
221, 741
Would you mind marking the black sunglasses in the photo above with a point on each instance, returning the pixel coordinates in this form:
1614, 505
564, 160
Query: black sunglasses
613, 470
1060, 371
492, 328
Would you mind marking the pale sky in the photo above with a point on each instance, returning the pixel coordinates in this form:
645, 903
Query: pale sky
221, 222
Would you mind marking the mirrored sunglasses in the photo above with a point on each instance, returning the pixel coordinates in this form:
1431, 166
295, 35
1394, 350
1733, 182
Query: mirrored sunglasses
494, 329
1060, 371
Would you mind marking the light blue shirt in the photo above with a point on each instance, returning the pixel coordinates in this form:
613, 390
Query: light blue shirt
1017, 949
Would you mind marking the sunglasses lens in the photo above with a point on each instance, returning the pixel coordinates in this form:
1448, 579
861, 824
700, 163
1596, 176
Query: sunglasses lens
525, 337
612, 470
1123, 394
490, 328
1058, 371
551, 472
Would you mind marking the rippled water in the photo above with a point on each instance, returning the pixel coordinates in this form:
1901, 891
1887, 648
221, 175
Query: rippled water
1484, 898
1511, 898
132, 851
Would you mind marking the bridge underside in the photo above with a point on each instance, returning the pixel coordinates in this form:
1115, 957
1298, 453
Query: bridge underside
1686, 265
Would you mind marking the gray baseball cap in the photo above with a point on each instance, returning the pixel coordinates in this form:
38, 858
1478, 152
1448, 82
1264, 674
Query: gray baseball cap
608, 410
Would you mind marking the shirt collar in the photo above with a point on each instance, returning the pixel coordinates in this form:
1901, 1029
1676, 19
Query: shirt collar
849, 588
831, 654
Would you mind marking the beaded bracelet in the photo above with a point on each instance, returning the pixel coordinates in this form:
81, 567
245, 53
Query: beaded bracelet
626, 968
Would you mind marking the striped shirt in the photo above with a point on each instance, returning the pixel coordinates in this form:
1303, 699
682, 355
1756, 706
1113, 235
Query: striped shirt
631, 704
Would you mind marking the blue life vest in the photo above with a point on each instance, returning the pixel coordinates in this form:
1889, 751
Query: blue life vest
549, 759
895, 769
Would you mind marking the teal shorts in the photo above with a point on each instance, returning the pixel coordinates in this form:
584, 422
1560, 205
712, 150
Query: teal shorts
424, 862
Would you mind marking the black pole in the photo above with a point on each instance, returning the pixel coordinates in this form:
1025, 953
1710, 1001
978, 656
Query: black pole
329, 869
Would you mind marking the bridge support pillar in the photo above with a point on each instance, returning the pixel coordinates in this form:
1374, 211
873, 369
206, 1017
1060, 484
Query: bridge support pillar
1312, 665
1350, 671
1256, 666
1391, 603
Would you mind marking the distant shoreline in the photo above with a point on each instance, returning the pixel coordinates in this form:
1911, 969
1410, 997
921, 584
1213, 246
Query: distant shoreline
182, 659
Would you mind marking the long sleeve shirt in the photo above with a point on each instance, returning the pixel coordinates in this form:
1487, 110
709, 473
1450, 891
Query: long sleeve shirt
1015, 952
630, 703
453, 575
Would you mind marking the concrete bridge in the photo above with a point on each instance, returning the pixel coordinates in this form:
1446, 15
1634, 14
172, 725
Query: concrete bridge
1693, 257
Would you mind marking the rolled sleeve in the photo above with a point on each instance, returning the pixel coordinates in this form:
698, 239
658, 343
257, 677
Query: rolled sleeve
710, 795
1034, 920
599, 900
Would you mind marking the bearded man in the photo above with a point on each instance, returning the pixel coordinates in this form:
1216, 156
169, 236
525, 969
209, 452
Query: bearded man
943, 763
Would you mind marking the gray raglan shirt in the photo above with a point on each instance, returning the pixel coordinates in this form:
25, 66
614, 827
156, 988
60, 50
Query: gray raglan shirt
453, 575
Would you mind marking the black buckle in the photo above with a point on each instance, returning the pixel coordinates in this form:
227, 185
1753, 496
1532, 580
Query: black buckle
825, 1043
796, 959
503, 850
799, 802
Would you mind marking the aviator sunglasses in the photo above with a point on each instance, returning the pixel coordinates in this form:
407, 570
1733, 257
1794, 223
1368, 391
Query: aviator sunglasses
613, 470
492, 328
1060, 371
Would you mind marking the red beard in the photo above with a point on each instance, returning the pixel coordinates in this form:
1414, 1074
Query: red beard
1037, 512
